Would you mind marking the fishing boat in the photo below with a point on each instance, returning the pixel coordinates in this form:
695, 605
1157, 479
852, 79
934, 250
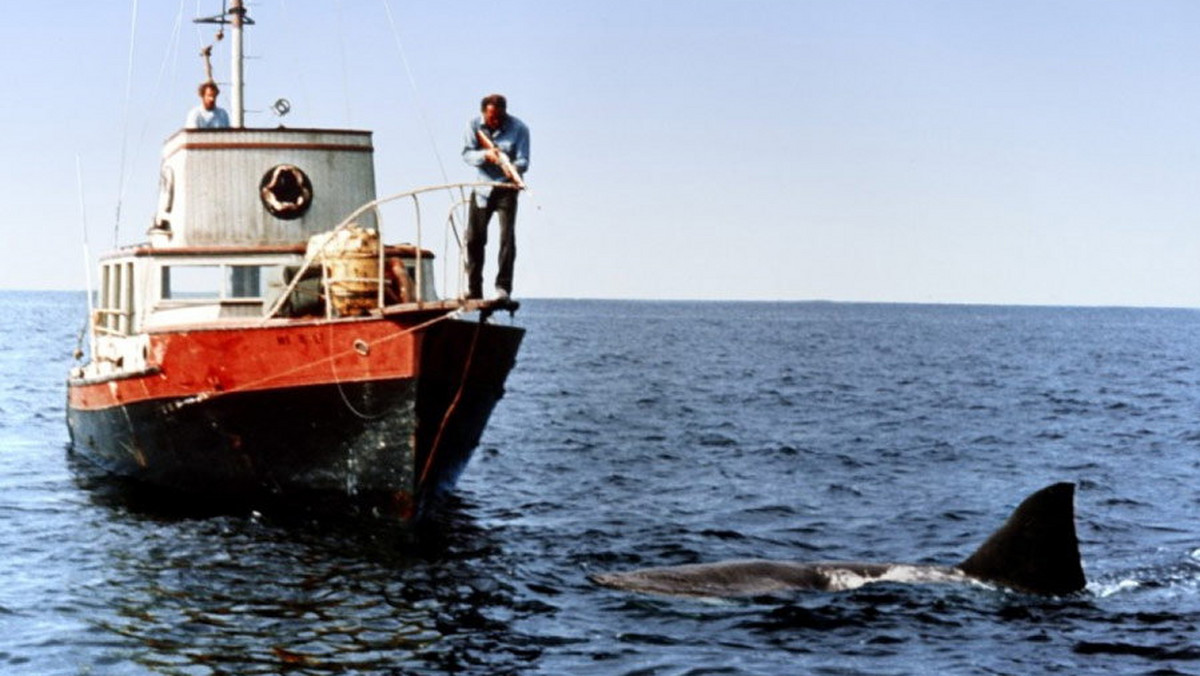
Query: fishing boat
267, 343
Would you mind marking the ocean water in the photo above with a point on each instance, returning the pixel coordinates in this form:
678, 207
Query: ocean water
647, 433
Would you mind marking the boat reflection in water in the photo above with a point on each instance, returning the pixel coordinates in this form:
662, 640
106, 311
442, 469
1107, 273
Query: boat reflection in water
187, 589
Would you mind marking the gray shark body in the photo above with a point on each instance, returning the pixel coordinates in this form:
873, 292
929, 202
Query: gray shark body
1035, 551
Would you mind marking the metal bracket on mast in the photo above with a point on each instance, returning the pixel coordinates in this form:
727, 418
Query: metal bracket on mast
224, 18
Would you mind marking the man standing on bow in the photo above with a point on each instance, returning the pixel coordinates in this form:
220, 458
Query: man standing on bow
498, 145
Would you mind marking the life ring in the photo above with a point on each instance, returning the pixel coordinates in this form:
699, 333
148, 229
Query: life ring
286, 191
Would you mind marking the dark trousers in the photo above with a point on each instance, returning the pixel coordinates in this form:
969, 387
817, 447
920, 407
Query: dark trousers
503, 203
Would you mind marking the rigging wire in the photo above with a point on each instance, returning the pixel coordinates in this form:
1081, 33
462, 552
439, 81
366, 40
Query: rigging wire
412, 82
171, 56
87, 266
168, 57
345, 68
421, 113
289, 34
417, 94
387, 5
125, 122
199, 30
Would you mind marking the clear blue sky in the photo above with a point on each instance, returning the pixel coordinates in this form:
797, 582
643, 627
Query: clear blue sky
993, 151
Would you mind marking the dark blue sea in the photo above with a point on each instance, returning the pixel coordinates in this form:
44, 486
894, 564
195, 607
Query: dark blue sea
653, 433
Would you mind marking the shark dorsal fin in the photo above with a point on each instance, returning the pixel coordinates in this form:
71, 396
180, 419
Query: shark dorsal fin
1036, 550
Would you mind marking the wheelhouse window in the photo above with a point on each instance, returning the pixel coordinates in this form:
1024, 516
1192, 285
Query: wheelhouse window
207, 283
114, 303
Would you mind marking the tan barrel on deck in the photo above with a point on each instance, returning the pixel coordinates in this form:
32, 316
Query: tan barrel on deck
351, 260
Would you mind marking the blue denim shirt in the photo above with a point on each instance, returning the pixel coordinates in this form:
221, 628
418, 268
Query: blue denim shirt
512, 137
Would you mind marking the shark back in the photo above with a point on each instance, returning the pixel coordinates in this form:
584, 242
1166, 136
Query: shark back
727, 578
757, 576
1036, 550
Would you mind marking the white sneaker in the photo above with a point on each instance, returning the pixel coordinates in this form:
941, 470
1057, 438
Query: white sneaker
501, 294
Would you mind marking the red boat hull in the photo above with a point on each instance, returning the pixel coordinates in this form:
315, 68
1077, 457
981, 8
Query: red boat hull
379, 414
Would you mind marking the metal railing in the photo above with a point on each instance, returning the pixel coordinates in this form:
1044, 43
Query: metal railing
311, 257
121, 327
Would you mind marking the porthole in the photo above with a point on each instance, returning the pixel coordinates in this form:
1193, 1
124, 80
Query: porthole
286, 191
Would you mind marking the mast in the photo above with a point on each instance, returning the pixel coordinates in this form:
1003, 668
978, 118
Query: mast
238, 109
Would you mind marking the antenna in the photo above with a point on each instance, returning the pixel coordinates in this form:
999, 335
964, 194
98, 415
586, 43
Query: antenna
87, 261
